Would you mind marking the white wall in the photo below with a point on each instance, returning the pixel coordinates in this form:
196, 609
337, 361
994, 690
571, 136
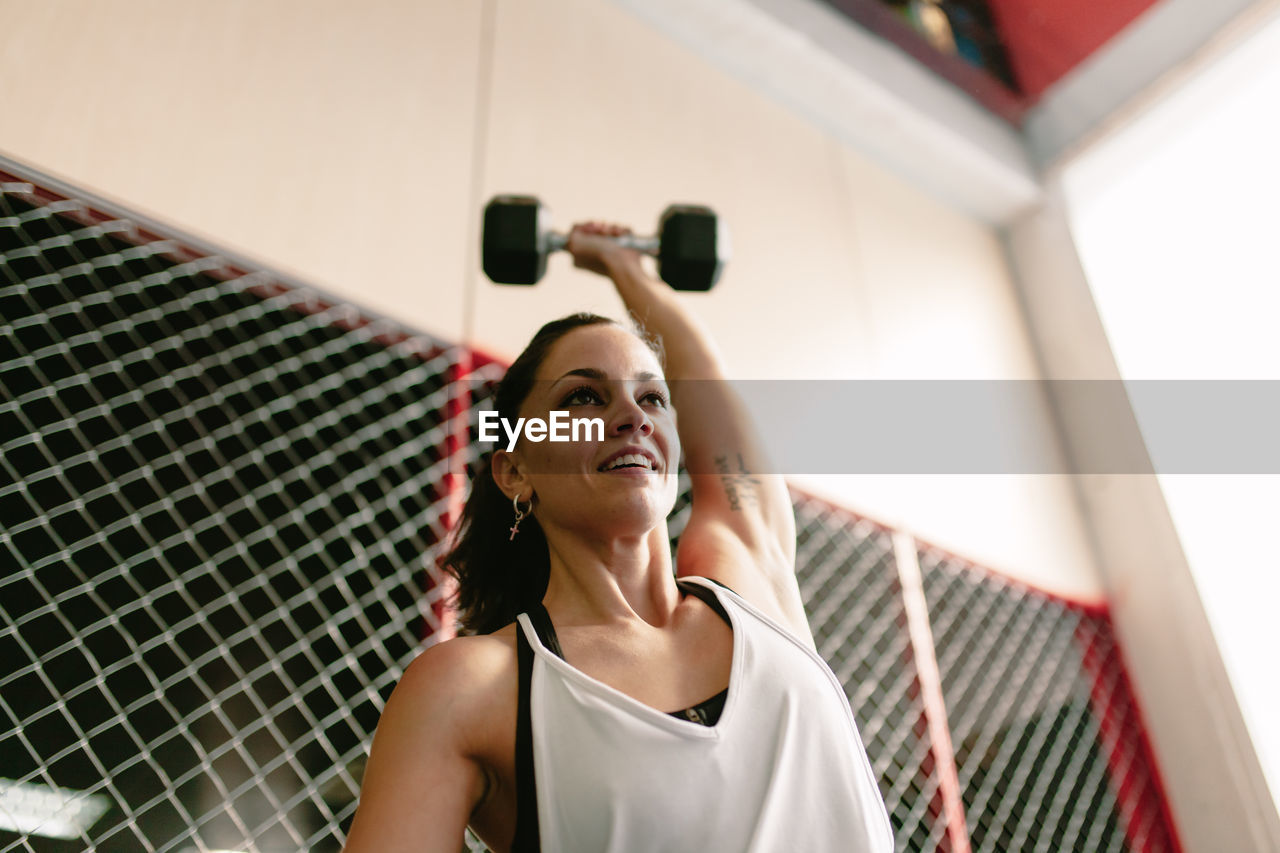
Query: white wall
331, 140
355, 146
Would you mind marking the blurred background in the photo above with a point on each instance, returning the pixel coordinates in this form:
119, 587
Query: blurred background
245, 333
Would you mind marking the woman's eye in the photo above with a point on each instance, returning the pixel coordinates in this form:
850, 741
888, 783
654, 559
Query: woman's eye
580, 394
657, 395
584, 396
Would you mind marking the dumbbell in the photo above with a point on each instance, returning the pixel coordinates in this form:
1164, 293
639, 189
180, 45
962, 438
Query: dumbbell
692, 245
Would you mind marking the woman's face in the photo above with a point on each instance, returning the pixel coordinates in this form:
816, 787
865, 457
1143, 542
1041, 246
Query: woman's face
602, 371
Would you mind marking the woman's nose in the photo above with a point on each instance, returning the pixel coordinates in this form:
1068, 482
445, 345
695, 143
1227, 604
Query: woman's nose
630, 417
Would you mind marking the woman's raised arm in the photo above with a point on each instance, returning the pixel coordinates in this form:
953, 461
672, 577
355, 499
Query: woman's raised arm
741, 529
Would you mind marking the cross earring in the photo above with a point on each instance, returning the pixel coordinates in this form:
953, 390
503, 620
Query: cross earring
520, 514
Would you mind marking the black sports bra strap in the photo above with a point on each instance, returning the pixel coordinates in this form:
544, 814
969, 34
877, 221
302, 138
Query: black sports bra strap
527, 838
708, 596
541, 620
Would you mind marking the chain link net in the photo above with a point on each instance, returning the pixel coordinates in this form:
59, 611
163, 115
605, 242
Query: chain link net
853, 597
223, 500
215, 509
1048, 745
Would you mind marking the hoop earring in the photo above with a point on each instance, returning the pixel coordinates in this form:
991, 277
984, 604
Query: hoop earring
520, 514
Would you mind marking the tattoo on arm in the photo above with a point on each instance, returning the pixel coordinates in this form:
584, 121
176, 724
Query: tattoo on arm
740, 486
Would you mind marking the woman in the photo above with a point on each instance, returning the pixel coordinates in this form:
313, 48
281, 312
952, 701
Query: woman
605, 702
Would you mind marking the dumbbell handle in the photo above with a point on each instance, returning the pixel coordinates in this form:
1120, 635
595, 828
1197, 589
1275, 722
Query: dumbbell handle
648, 245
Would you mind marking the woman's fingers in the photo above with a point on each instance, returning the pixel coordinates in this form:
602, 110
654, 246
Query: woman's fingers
607, 229
593, 243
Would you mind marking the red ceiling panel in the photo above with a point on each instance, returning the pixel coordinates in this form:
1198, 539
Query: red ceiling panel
1045, 39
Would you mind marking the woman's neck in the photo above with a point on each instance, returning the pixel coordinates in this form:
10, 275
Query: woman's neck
611, 582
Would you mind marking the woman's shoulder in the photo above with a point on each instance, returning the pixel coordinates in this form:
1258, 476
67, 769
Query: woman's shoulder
445, 724
460, 675
463, 663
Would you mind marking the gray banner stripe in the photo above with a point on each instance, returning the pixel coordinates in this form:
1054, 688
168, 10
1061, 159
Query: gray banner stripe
1000, 426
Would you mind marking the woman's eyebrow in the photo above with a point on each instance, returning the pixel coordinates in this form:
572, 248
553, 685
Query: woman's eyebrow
593, 373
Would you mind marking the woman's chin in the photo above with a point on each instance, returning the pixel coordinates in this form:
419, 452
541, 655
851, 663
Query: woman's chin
635, 516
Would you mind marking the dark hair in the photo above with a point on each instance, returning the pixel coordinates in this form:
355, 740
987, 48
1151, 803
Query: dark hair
499, 578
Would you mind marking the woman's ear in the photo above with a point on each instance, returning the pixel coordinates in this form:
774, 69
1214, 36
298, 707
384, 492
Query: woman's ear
509, 475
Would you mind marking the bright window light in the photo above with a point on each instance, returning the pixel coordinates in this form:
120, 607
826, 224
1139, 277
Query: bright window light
1175, 221
48, 811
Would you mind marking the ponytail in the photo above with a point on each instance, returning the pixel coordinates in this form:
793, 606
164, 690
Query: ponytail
498, 577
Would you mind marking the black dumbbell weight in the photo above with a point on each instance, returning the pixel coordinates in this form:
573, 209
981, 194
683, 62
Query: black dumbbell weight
692, 245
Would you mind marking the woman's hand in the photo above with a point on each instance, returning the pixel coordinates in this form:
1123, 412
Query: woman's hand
594, 246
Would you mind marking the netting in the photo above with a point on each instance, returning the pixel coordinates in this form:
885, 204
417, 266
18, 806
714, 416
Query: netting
1049, 750
216, 508
853, 597
222, 502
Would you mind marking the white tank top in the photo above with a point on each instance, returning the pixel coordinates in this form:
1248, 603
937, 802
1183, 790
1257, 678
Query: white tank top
783, 769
